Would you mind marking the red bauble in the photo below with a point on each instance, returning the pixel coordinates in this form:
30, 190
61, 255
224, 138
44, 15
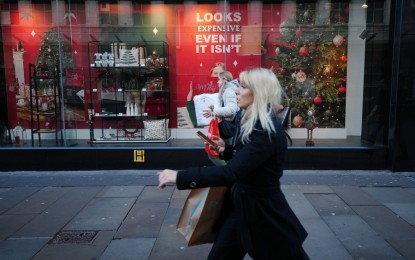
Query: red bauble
318, 100
342, 89
283, 71
299, 32
343, 58
298, 121
303, 51
338, 40
277, 50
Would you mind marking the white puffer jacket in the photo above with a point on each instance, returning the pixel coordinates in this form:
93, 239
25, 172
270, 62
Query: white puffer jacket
227, 99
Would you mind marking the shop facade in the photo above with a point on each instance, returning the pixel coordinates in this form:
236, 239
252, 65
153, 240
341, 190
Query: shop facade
131, 78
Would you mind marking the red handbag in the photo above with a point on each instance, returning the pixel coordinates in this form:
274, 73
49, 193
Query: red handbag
212, 131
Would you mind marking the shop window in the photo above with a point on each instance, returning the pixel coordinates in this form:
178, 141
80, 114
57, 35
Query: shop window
14, 12
43, 13
378, 14
141, 19
77, 12
30, 13
108, 14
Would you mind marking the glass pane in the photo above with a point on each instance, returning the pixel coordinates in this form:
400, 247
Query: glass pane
329, 56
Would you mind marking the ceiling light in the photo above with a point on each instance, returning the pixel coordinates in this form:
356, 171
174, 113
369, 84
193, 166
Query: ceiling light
364, 5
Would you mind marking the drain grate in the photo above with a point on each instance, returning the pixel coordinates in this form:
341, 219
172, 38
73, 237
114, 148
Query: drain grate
74, 237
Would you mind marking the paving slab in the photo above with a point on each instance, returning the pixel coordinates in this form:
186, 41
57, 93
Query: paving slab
353, 195
313, 188
345, 178
404, 210
129, 249
405, 247
76, 251
172, 216
10, 224
385, 222
391, 194
177, 202
155, 194
322, 243
378, 225
299, 204
329, 204
143, 220
39, 201
180, 193
120, 191
170, 244
2, 190
179, 198
12, 197
360, 240
21, 249
101, 214
49, 222
411, 190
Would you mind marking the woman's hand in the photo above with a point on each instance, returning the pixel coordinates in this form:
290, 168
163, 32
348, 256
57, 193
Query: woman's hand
190, 93
220, 144
167, 176
208, 111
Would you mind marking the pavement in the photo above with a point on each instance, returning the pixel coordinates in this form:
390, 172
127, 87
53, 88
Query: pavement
123, 215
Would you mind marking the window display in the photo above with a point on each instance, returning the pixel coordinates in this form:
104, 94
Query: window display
129, 91
45, 102
111, 68
311, 52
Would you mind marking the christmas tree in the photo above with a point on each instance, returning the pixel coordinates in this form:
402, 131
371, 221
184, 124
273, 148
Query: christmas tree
48, 58
128, 58
312, 61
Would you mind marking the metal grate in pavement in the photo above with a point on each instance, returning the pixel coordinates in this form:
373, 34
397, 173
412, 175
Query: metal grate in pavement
74, 237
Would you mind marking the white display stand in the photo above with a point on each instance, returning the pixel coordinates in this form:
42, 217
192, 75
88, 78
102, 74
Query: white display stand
18, 66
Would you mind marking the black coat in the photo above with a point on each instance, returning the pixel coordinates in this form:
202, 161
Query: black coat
267, 224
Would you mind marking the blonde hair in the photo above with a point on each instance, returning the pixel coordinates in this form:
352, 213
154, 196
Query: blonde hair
226, 75
266, 91
218, 66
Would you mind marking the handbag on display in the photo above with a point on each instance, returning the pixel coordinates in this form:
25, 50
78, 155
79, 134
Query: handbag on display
199, 215
213, 131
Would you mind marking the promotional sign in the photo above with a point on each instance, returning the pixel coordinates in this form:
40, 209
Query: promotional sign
210, 40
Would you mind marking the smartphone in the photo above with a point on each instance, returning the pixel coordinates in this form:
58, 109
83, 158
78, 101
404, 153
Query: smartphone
205, 138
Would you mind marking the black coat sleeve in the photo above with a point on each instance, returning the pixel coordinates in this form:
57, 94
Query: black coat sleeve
248, 158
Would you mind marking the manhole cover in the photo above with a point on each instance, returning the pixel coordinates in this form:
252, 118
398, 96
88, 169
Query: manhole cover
74, 237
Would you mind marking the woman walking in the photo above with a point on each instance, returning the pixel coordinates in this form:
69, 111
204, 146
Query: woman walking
259, 220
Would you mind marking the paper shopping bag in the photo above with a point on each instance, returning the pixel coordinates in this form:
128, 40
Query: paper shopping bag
212, 131
201, 102
199, 215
